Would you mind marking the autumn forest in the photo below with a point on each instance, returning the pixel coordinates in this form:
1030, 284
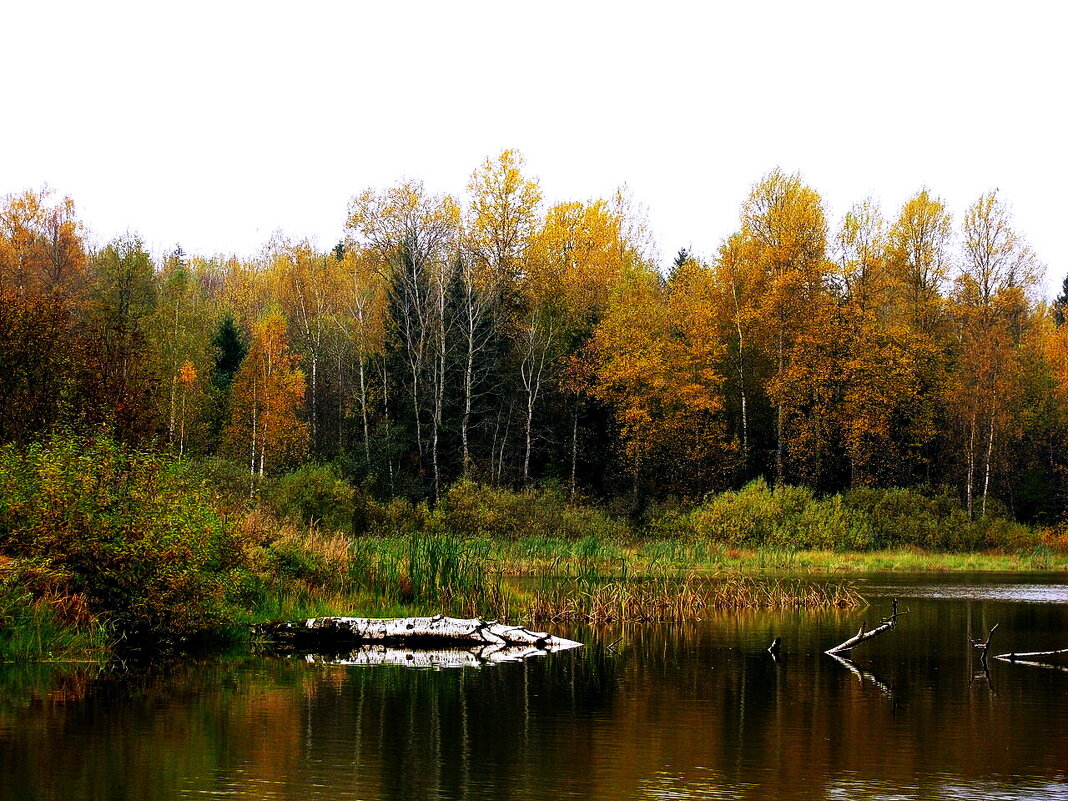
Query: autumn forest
490, 337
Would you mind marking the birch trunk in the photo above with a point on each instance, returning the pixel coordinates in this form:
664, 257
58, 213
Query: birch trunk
989, 445
532, 373
741, 367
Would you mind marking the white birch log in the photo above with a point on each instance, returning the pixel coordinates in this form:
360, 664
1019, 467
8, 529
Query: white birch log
437, 631
1033, 656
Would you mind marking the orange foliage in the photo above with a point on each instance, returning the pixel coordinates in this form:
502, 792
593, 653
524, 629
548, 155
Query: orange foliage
268, 391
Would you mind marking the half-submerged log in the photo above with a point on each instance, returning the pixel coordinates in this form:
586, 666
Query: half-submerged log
425, 632
865, 634
1047, 659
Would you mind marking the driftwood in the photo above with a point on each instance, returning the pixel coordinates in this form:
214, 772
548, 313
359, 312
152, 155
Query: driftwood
1036, 658
865, 634
426, 632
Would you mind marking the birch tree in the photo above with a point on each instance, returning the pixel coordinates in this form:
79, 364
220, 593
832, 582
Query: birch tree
502, 218
268, 397
306, 285
415, 237
785, 229
998, 270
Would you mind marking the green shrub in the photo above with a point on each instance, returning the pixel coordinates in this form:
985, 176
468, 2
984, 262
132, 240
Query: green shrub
319, 559
783, 518
135, 533
759, 516
398, 517
232, 486
317, 495
1009, 536
471, 509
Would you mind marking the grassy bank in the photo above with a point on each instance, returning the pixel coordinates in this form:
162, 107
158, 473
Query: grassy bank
99, 543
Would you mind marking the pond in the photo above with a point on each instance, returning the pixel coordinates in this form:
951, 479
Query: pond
667, 712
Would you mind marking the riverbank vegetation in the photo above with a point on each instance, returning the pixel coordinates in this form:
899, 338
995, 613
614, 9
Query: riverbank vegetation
99, 542
464, 391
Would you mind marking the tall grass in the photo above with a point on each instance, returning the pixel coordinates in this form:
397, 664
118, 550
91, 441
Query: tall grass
669, 598
41, 620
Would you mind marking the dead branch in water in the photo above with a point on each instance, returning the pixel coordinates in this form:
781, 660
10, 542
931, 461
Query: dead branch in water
864, 634
984, 645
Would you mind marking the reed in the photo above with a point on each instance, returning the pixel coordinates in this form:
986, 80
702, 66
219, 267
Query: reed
692, 597
43, 630
429, 573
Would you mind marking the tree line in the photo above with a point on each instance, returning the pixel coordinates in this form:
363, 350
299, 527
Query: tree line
495, 339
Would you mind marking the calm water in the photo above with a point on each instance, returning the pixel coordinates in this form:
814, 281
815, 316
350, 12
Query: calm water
672, 713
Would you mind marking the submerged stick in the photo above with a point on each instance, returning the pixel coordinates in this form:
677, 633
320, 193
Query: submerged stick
1031, 663
864, 635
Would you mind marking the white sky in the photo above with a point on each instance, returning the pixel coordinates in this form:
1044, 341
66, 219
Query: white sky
212, 124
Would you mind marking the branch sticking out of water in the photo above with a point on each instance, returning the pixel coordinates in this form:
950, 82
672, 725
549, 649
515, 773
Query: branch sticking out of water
864, 634
984, 645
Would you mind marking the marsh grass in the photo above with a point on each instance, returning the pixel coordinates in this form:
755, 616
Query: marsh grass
546, 557
679, 599
41, 620
38, 634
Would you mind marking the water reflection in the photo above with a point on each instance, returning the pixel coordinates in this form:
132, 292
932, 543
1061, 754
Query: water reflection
373, 655
683, 711
1048, 588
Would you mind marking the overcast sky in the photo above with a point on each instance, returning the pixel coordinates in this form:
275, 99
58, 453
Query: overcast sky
213, 124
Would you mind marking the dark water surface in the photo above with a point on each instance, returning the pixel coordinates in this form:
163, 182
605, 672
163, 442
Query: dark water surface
679, 712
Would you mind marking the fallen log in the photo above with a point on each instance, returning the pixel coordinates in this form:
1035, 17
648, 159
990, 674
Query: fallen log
1035, 663
1033, 657
865, 634
427, 632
